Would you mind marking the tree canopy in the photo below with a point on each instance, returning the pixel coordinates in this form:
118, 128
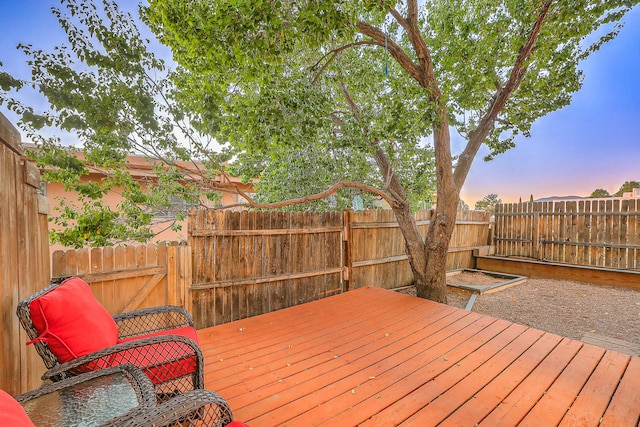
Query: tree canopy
627, 187
380, 76
115, 96
488, 203
274, 108
599, 193
273, 71
108, 88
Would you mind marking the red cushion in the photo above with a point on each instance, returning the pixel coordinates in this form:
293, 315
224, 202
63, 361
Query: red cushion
163, 361
12, 413
71, 321
237, 424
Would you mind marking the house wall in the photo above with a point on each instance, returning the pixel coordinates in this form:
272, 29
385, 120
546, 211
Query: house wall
55, 192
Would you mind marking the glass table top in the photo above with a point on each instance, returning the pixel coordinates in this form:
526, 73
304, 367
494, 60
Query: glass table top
90, 403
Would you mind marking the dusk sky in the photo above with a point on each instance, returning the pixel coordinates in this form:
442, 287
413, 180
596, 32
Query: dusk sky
593, 143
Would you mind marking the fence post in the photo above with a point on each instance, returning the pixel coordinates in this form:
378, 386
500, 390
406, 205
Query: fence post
186, 277
348, 247
536, 235
179, 275
24, 250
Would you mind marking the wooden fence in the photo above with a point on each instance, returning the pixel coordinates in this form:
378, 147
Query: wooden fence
249, 263
24, 251
599, 233
125, 278
241, 264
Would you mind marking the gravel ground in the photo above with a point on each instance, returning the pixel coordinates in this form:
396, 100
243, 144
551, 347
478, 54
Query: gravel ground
563, 307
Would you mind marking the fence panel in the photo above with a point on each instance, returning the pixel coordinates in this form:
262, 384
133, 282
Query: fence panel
251, 263
125, 278
633, 235
241, 264
598, 233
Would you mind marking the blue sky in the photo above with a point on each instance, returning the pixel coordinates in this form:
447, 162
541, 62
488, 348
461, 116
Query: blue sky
592, 143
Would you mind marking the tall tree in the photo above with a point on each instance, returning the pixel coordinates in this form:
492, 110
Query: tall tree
627, 187
488, 203
599, 193
374, 75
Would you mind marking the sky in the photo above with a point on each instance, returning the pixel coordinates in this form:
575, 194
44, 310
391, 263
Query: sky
592, 143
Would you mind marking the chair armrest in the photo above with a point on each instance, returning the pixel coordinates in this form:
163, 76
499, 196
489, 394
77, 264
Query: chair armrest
204, 407
149, 320
148, 354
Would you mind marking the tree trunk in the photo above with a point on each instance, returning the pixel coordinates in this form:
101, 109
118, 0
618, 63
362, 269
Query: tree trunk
433, 284
428, 259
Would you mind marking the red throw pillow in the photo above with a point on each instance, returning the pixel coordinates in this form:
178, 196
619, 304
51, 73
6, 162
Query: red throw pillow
71, 321
12, 413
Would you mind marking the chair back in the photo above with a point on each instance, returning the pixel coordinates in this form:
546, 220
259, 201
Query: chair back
24, 315
69, 320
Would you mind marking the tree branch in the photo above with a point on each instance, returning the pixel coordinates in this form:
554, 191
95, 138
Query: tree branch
318, 196
334, 53
499, 100
392, 184
394, 49
399, 19
351, 102
412, 13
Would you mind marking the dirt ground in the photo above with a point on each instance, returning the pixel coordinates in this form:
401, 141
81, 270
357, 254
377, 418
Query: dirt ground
563, 307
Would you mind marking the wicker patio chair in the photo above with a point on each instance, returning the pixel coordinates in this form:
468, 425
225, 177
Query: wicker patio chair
74, 334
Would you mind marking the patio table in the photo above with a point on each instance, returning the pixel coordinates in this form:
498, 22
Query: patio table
91, 399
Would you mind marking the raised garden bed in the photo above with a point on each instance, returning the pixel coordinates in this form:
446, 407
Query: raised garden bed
481, 282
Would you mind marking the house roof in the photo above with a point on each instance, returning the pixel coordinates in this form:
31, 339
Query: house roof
141, 167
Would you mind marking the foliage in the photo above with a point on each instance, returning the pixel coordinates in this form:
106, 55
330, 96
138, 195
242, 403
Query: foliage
106, 87
113, 94
268, 74
627, 187
488, 203
360, 83
377, 77
599, 193
273, 115
308, 170
462, 206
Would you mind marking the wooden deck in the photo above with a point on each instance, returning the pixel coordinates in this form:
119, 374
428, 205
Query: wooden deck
374, 357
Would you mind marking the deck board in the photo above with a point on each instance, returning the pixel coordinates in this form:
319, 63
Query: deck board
374, 357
